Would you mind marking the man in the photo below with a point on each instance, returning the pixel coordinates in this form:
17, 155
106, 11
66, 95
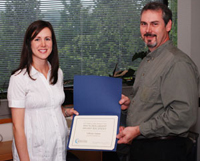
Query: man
165, 94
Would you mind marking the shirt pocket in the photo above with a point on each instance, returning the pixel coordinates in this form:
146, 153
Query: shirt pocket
149, 93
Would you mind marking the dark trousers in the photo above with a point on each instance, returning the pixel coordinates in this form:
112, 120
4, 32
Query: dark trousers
174, 149
122, 153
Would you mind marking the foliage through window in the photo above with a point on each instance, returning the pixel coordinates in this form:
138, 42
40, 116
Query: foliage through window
92, 35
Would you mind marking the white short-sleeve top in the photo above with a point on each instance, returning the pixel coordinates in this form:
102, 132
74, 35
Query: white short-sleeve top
45, 125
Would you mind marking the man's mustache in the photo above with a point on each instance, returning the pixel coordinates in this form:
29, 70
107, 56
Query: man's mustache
149, 34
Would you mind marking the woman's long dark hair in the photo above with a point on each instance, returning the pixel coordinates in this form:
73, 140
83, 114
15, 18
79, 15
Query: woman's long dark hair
26, 53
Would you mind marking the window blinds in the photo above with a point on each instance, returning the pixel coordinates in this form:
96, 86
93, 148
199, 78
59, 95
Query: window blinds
92, 35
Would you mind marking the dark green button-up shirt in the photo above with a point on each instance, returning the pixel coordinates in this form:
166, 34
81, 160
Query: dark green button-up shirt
165, 93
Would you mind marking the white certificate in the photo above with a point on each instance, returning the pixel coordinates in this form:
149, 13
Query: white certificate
94, 132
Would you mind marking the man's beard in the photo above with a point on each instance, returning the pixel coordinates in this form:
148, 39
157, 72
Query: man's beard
148, 43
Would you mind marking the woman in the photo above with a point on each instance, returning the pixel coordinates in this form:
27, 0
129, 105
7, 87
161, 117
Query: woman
35, 96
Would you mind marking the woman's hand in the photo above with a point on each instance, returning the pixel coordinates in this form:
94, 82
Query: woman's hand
70, 112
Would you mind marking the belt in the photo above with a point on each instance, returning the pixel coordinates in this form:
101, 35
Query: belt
159, 138
164, 138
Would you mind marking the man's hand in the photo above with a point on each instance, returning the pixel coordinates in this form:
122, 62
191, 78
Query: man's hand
124, 102
126, 135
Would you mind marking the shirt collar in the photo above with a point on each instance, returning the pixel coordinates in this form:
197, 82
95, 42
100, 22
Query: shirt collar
33, 71
157, 51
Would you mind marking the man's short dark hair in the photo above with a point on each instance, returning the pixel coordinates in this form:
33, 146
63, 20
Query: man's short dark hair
166, 12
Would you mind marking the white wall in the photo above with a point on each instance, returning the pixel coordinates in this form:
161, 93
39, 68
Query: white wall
6, 131
189, 38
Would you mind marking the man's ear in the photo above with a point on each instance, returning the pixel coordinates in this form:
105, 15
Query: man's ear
169, 26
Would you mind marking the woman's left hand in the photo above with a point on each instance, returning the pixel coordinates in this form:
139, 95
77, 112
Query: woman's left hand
70, 112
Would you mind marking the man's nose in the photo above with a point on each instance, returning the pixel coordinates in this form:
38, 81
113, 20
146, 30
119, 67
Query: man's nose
148, 29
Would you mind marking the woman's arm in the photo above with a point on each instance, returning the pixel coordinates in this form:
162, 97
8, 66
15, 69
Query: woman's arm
19, 133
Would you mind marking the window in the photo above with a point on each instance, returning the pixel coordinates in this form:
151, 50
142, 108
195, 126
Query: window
92, 35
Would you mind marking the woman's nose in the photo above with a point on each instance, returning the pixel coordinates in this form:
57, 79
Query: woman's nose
43, 43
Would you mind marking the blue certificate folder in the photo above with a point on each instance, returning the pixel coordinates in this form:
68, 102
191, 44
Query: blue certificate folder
97, 95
